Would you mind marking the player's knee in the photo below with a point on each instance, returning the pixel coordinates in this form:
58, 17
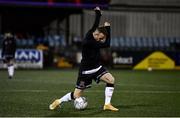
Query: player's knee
108, 78
111, 80
77, 93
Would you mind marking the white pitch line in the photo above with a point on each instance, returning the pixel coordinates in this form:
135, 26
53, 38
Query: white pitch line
117, 84
22, 91
137, 91
143, 85
96, 91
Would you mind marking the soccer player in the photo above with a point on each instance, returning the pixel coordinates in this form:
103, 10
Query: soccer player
90, 68
8, 52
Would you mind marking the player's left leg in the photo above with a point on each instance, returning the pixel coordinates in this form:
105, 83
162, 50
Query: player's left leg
10, 66
109, 79
66, 98
83, 82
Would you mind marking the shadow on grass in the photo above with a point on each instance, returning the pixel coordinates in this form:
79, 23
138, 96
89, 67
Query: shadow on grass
95, 111
134, 106
76, 113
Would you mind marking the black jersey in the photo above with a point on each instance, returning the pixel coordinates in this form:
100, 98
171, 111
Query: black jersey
91, 47
8, 47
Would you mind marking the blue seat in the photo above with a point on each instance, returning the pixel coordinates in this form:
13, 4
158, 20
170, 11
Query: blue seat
133, 42
166, 42
149, 42
161, 42
121, 42
155, 42
138, 41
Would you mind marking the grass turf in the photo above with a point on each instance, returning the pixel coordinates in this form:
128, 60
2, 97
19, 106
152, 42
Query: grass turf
137, 93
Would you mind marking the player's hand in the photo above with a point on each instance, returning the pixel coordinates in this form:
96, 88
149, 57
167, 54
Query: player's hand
107, 24
97, 8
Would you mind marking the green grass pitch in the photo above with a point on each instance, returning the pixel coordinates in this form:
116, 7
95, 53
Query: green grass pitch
137, 93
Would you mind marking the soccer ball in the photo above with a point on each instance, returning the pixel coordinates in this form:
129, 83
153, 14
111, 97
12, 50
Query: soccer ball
80, 103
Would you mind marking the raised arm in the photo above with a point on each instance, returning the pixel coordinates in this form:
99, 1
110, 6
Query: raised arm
97, 19
103, 43
108, 37
107, 41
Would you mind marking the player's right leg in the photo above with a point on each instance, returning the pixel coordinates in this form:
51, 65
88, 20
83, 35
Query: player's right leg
109, 79
66, 98
10, 64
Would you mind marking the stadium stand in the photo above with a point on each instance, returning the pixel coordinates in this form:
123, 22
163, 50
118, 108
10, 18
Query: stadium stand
145, 43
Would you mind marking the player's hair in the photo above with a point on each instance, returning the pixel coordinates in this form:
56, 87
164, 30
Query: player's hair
102, 30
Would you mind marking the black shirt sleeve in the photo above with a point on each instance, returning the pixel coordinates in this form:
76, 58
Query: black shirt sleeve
89, 39
3, 46
97, 20
8, 47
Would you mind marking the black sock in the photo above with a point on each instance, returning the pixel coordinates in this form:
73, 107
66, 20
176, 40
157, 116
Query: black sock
109, 85
72, 96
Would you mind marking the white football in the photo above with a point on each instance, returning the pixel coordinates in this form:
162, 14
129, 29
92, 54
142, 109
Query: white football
80, 103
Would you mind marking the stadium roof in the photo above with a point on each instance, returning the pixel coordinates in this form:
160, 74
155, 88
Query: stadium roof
146, 2
56, 3
28, 19
146, 5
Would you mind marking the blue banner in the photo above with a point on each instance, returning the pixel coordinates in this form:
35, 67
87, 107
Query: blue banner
26, 58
